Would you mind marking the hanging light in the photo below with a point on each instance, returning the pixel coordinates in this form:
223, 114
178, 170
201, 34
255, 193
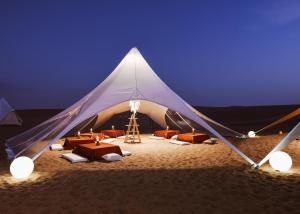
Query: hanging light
134, 105
21, 167
251, 134
280, 161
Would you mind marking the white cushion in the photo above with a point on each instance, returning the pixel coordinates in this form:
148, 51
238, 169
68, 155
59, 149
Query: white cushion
211, 141
112, 157
56, 147
174, 137
121, 137
74, 158
177, 142
157, 138
108, 140
126, 153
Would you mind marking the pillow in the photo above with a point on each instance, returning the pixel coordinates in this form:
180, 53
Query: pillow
207, 141
112, 157
56, 147
121, 137
108, 140
157, 138
211, 141
174, 137
177, 142
214, 140
74, 158
126, 153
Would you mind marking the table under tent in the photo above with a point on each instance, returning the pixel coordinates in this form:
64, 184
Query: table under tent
132, 80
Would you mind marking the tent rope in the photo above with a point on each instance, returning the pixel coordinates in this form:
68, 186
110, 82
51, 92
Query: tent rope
184, 120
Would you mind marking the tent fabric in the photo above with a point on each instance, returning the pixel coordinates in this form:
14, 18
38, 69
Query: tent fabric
291, 136
281, 120
132, 79
154, 111
8, 116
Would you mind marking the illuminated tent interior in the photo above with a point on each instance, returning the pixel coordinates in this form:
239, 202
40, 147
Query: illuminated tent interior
8, 115
132, 79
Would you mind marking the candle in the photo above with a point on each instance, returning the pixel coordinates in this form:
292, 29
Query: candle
167, 127
91, 130
113, 127
193, 130
78, 133
97, 141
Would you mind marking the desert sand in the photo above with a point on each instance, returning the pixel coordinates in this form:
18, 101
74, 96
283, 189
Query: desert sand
158, 177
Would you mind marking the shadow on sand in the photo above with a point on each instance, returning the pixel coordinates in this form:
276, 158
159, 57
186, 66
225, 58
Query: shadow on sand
216, 190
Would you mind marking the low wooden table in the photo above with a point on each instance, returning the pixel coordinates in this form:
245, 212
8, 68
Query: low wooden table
92, 151
93, 135
166, 133
72, 142
113, 133
193, 138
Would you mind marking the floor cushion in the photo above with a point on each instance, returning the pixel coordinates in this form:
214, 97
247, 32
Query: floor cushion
126, 153
74, 158
174, 137
56, 147
177, 142
108, 140
112, 157
157, 138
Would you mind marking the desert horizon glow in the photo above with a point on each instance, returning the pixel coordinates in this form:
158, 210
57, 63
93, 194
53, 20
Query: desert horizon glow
210, 53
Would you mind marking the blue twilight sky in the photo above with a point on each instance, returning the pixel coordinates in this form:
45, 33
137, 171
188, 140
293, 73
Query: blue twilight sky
212, 53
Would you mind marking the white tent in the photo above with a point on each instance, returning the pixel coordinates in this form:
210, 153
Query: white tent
291, 136
132, 79
282, 120
8, 116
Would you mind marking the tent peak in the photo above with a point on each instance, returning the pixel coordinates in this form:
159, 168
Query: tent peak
134, 50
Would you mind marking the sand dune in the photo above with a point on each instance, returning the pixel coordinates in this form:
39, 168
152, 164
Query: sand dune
158, 178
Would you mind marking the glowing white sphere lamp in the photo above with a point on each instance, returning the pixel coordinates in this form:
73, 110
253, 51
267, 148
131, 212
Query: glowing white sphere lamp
21, 167
251, 134
280, 161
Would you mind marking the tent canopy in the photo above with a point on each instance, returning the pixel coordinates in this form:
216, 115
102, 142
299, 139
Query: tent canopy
281, 120
132, 79
8, 116
291, 136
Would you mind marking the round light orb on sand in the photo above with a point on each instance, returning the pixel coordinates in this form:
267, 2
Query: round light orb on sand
280, 161
251, 134
21, 167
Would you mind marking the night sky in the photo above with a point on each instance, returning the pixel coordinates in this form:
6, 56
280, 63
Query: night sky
212, 53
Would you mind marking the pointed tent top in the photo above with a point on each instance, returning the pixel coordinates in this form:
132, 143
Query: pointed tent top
133, 78
4, 104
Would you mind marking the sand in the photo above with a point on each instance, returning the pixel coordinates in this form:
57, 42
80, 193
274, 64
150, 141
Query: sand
158, 177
